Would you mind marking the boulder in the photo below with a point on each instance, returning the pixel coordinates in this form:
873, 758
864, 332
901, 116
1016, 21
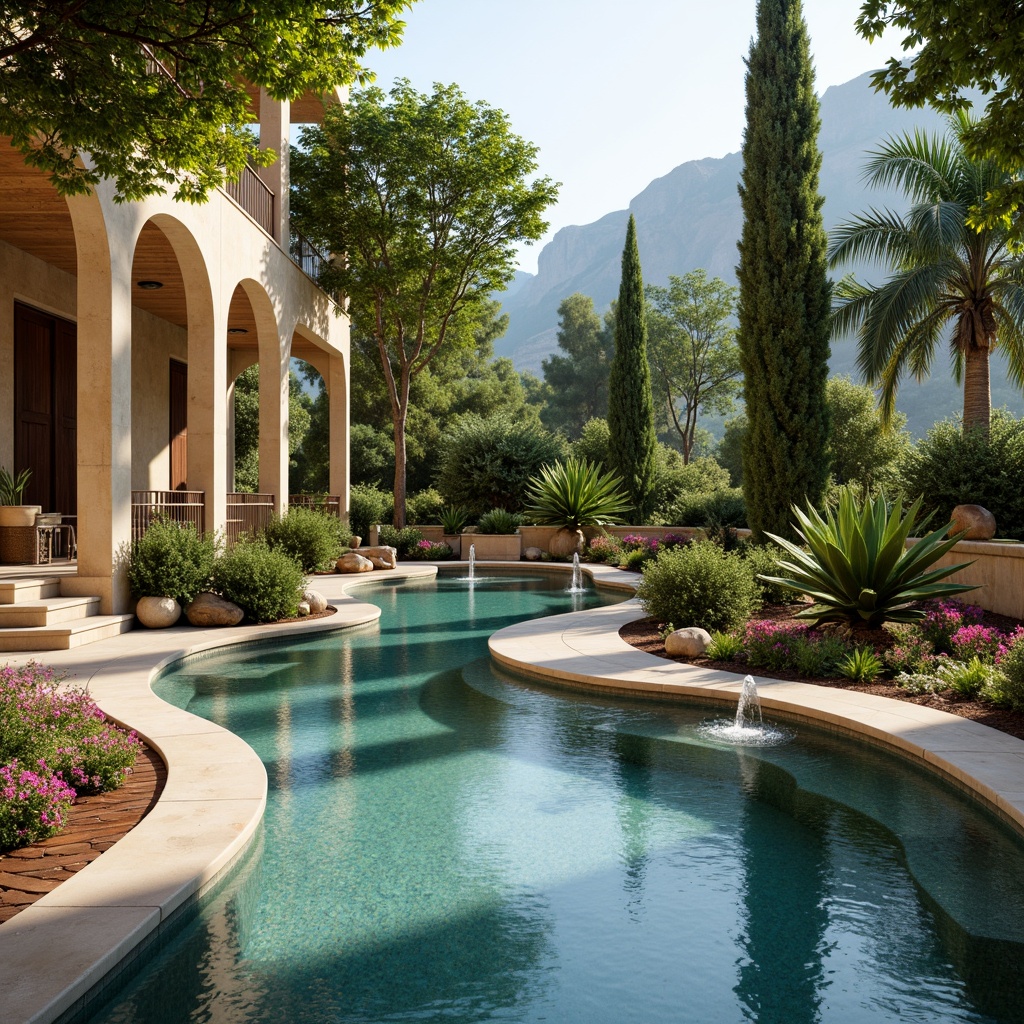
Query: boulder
382, 556
213, 610
979, 523
352, 562
302, 608
158, 612
316, 601
533, 554
688, 642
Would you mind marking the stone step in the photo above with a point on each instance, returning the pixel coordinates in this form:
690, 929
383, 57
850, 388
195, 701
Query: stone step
14, 591
49, 612
63, 637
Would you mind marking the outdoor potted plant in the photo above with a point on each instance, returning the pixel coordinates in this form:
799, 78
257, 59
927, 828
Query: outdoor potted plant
571, 495
12, 491
453, 521
496, 538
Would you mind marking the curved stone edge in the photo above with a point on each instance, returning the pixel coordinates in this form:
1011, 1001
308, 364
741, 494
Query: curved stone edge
584, 649
57, 950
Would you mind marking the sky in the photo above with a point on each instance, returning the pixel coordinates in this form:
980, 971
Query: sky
614, 94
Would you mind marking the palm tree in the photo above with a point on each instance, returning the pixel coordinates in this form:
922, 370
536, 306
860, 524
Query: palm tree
948, 279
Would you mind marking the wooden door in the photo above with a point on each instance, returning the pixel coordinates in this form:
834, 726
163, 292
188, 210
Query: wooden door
45, 408
179, 425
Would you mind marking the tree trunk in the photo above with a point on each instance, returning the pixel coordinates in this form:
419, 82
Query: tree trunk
977, 393
399, 516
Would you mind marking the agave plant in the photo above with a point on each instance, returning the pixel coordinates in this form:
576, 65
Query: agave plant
12, 487
858, 568
576, 493
453, 519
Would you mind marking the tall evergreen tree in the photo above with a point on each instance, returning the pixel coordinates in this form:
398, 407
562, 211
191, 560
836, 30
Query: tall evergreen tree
633, 442
784, 289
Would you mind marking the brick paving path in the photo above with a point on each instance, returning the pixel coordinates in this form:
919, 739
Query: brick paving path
96, 823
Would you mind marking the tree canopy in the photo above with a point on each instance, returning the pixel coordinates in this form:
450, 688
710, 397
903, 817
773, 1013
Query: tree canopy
695, 361
428, 196
961, 45
155, 91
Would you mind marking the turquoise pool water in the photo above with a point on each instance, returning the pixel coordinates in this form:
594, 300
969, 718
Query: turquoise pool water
446, 843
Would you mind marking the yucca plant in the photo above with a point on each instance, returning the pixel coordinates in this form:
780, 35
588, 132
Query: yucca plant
576, 493
858, 568
453, 519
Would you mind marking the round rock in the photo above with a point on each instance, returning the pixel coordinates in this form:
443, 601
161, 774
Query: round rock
689, 642
533, 554
213, 610
302, 609
316, 601
979, 523
352, 562
158, 612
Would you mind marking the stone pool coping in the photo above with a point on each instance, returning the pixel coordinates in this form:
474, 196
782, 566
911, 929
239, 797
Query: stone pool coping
54, 952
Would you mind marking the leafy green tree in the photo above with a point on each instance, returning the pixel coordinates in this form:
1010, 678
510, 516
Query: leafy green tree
961, 45
632, 441
947, 277
784, 291
578, 381
862, 449
428, 198
695, 361
247, 426
155, 90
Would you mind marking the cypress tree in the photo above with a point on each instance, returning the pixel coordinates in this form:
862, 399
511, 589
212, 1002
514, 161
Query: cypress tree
632, 440
784, 290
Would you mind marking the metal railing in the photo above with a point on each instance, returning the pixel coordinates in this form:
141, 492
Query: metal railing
248, 513
253, 196
330, 503
176, 506
309, 258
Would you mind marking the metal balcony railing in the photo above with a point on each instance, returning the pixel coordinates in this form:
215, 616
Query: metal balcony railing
176, 506
248, 513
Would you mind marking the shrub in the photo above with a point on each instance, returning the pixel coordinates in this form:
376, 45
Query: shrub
858, 568
698, 585
312, 538
403, 541
976, 641
436, 551
34, 804
675, 480
498, 520
576, 493
792, 646
964, 678
636, 559
592, 444
911, 653
171, 560
603, 549
763, 560
861, 665
951, 467
488, 463
368, 506
1007, 687
716, 512
266, 584
944, 618
724, 646
424, 506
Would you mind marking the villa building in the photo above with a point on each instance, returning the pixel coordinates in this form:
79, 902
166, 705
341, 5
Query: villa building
122, 329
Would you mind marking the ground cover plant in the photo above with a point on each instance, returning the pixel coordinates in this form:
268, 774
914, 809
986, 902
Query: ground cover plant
55, 744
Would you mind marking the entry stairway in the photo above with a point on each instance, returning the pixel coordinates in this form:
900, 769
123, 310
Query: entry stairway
35, 617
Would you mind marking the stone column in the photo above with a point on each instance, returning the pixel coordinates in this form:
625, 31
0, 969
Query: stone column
274, 420
336, 380
208, 469
275, 122
104, 403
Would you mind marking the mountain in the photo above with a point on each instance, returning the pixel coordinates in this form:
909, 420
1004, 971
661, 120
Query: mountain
691, 218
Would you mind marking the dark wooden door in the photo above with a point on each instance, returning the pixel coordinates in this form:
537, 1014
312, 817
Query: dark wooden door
179, 426
46, 408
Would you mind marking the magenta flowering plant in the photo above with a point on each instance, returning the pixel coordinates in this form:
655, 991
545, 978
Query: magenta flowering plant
603, 549
976, 641
34, 804
944, 618
772, 645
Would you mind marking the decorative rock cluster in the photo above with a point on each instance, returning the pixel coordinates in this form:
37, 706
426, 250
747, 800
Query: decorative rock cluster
368, 559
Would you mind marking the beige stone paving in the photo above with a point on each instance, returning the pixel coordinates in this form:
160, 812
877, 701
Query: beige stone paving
53, 952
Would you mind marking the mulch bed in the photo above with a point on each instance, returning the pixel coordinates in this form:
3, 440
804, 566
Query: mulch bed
645, 634
95, 824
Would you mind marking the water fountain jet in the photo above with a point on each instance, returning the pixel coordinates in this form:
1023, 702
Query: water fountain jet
747, 729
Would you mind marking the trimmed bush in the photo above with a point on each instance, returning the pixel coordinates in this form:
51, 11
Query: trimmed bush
310, 537
266, 584
171, 560
764, 559
699, 585
715, 512
368, 506
488, 463
424, 506
403, 541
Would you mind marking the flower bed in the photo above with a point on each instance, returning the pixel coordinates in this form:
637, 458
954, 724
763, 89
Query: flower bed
55, 744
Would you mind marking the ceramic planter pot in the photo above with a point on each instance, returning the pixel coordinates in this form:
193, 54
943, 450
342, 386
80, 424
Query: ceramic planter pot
19, 515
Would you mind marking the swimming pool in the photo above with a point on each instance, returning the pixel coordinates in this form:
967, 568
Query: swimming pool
445, 842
